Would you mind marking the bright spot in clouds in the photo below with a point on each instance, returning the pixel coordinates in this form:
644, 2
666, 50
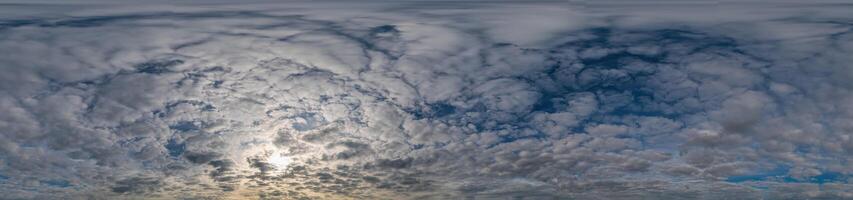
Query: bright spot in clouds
280, 162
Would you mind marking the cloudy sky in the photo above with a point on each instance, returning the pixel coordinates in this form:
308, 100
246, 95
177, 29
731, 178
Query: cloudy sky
426, 100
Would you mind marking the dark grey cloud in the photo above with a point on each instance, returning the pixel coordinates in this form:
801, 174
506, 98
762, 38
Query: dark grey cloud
426, 100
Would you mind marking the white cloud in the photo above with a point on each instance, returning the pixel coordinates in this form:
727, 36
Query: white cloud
443, 101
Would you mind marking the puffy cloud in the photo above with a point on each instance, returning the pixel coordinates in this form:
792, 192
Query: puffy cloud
428, 100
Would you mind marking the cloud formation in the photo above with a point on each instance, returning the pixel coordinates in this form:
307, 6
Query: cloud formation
426, 100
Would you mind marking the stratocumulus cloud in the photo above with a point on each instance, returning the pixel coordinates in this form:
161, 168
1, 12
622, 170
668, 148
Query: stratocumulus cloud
426, 100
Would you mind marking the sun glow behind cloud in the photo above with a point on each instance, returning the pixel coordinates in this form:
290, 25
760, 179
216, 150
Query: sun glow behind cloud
281, 162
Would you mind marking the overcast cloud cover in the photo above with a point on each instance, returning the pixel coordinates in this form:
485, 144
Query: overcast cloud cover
426, 100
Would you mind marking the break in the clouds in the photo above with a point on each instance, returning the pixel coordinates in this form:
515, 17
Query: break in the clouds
426, 100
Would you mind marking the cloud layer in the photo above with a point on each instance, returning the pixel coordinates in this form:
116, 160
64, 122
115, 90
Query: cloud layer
426, 100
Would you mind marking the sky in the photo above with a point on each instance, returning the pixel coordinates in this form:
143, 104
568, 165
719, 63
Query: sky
426, 100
